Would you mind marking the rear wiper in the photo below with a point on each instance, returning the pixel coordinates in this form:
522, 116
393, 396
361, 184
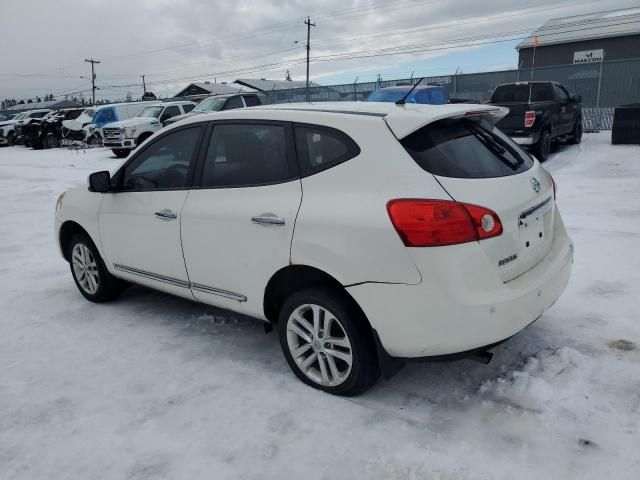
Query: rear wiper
497, 149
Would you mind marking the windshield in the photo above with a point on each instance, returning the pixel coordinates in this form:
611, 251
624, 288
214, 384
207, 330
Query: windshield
431, 96
211, 104
89, 112
519, 93
153, 111
19, 116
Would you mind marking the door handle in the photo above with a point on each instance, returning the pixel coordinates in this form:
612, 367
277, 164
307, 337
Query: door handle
267, 219
166, 214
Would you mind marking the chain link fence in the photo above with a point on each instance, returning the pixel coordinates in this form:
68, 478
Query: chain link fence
603, 86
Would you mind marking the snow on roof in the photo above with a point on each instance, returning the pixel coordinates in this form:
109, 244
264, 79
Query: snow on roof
218, 88
44, 105
265, 85
614, 23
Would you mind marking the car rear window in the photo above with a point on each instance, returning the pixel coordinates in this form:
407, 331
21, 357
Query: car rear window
519, 93
463, 148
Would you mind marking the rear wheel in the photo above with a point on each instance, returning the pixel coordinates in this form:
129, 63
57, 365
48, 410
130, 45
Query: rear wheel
576, 135
120, 152
89, 272
543, 147
327, 342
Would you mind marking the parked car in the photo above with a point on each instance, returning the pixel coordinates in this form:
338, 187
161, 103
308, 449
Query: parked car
219, 103
46, 132
124, 136
426, 94
87, 127
454, 246
11, 130
540, 113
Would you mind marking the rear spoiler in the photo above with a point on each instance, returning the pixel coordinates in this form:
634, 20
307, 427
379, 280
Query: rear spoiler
412, 117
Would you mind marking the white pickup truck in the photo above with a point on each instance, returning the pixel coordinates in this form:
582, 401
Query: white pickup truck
124, 136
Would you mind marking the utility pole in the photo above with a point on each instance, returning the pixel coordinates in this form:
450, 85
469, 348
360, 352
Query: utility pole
144, 85
308, 23
93, 76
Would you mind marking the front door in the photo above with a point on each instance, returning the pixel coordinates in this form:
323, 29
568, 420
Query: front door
238, 224
140, 222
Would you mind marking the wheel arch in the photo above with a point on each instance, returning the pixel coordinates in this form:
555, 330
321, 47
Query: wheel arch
143, 136
67, 230
293, 278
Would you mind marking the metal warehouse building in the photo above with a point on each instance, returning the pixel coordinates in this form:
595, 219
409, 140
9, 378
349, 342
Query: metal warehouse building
593, 38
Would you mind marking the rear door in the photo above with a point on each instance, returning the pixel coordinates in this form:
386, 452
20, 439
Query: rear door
567, 110
237, 224
478, 164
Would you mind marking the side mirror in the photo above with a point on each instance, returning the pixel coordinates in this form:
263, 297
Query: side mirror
576, 98
100, 182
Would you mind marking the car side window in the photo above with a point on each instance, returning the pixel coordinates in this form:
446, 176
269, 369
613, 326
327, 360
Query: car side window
320, 148
233, 102
245, 155
563, 96
164, 164
187, 107
39, 114
170, 111
251, 100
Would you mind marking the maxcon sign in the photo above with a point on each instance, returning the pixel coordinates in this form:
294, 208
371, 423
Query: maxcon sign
588, 56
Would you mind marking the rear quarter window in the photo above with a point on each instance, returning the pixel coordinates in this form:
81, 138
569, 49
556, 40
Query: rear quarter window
462, 148
320, 148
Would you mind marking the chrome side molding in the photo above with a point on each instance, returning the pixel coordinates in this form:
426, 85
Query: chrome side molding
181, 283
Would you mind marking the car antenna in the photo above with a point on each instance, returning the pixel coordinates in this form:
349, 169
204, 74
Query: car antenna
402, 101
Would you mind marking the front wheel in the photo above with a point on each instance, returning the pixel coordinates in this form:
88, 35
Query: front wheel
11, 139
51, 140
327, 342
543, 147
89, 272
120, 152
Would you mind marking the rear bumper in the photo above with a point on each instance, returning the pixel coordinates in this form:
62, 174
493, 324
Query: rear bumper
529, 140
454, 310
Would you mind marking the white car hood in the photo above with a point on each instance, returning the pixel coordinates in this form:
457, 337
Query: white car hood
8, 122
133, 122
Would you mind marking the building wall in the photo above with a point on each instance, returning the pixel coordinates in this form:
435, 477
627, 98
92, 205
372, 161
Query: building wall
616, 48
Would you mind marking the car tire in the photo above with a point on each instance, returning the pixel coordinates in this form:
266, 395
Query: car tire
543, 147
576, 134
341, 360
120, 152
11, 139
89, 273
51, 140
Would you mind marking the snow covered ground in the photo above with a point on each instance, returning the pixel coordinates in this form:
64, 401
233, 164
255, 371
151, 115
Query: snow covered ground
157, 387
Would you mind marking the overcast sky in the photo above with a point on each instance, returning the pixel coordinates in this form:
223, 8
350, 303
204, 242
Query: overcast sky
174, 42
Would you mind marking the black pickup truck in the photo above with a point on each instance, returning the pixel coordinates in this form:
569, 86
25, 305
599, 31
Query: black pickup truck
539, 113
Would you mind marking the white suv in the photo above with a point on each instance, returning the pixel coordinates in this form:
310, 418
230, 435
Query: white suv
125, 135
369, 234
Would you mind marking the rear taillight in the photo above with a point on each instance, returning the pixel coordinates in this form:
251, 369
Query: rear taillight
432, 223
529, 119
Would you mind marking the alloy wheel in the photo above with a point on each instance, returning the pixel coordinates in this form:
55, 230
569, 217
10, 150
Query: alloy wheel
85, 268
319, 345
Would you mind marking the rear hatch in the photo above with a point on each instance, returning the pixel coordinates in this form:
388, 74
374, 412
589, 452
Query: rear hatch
478, 164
